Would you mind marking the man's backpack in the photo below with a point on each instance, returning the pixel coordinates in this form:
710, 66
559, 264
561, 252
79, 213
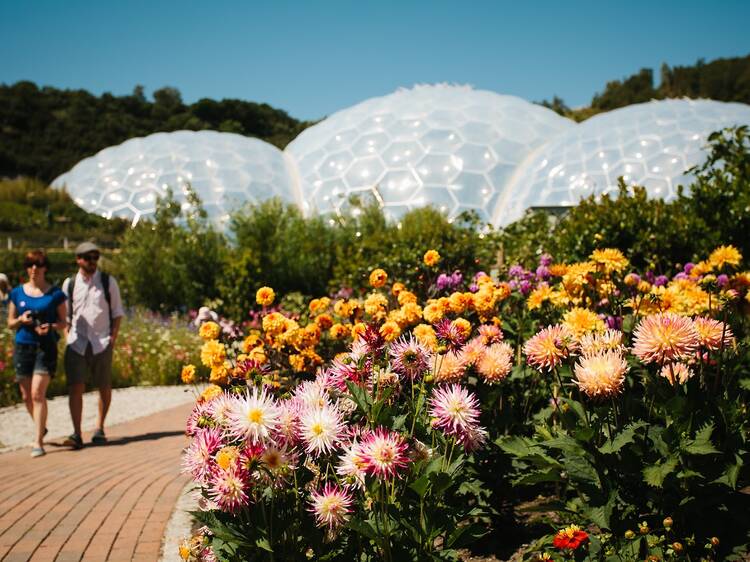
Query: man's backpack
105, 286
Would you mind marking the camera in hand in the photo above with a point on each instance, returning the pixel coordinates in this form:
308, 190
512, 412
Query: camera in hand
36, 318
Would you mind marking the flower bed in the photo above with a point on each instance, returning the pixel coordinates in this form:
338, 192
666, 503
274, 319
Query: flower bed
395, 428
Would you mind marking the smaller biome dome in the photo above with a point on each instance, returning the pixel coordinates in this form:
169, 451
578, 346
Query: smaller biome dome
452, 147
226, 170
649, 144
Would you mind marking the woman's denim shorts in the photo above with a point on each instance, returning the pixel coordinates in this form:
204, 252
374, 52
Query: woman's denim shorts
35, 358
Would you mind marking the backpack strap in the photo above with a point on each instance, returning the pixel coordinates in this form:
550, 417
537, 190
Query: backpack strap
105, 286
71, 288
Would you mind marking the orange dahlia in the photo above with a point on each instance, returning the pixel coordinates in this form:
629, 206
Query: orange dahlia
665, 337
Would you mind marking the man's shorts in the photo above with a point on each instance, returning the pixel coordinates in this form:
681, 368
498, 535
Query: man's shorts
95, 369
30, 358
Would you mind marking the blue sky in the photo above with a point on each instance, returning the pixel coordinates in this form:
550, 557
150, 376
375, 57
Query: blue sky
313, 58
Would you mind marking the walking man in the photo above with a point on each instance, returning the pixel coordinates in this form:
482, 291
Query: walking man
94, 316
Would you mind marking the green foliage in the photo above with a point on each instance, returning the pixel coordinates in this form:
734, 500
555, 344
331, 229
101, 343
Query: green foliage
46, 131
170, 264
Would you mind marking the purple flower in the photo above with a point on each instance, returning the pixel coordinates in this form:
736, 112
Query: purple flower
479, 274
515, 271
613, 322
409, 357
456, 278
443, 282
722, 280
542, 272
689, 267
545, 260
525, 287
661, 281
473, 287
449, 334
680, 276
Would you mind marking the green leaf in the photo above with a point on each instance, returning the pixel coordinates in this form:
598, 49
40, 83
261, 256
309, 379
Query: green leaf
399, 422
466, 534
623, 438
566, 444
420, 485
577, 407
364, 528
264, 544
360, 396
655, 475
549, 475
731, 473
745, 383
441, 481
579, 468
701, 445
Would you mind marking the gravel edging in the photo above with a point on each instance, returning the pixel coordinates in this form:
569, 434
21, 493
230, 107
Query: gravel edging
17, 429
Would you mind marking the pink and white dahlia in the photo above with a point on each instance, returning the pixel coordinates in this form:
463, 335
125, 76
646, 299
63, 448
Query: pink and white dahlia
474, 439
321, 429
310, 394
352, 465
331, 506
198, 459
549, 347
676, 373
384, 453
409, 358
454, 410
229, 489
473, 351
602, 374
287, 430
254, 416
496, 363
665, 338
221, 406
713, 335
200, 418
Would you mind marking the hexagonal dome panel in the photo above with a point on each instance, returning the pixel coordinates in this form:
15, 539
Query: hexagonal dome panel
438, 145
649, 144
225, 169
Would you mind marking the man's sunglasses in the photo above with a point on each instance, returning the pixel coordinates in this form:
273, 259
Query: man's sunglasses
39, 264
89, 257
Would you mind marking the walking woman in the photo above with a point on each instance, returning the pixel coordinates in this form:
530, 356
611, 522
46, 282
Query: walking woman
36, 311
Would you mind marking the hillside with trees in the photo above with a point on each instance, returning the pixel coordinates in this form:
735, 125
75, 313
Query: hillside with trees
721, 80
45, 131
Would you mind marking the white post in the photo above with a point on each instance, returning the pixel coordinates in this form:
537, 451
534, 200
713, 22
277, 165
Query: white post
10, 243
65, 242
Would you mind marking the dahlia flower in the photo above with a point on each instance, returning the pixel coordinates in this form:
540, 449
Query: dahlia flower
495, 363
725, 255
601, 374
198, 458
253, 416
287, 430
409, 357
384, 453
320, 429
450, 368
450, 334
490, 334
676, 372
331, 506
713, 334
548, 348
200, 418
454, 409
228, 487
596, 342
352, 465
665, 337
581, 321
473, 351
473, 439
570, 538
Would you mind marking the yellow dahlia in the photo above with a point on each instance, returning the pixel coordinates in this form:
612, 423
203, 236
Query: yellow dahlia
539, 296
425, 334
581, 321
209, 331
390, 330
611, 259
713, 334
265, 296
725, 255
188, 374
431, 258
213, 353
406, 297
378, 277
340, 331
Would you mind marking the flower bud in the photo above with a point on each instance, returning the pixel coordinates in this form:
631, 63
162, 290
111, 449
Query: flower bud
667, 523
643, 528
677, 547
715, 541
629, 534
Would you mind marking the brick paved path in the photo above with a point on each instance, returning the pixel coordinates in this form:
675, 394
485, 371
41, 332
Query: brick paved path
100, 503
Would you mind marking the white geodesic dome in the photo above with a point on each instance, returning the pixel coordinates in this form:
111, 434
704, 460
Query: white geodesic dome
226, 170
650, 144
452, 147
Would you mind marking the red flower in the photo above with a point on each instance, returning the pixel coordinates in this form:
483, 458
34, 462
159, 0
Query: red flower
570, 538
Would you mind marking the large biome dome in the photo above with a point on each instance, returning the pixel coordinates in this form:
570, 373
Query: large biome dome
452, 147
649, 144
225, 170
